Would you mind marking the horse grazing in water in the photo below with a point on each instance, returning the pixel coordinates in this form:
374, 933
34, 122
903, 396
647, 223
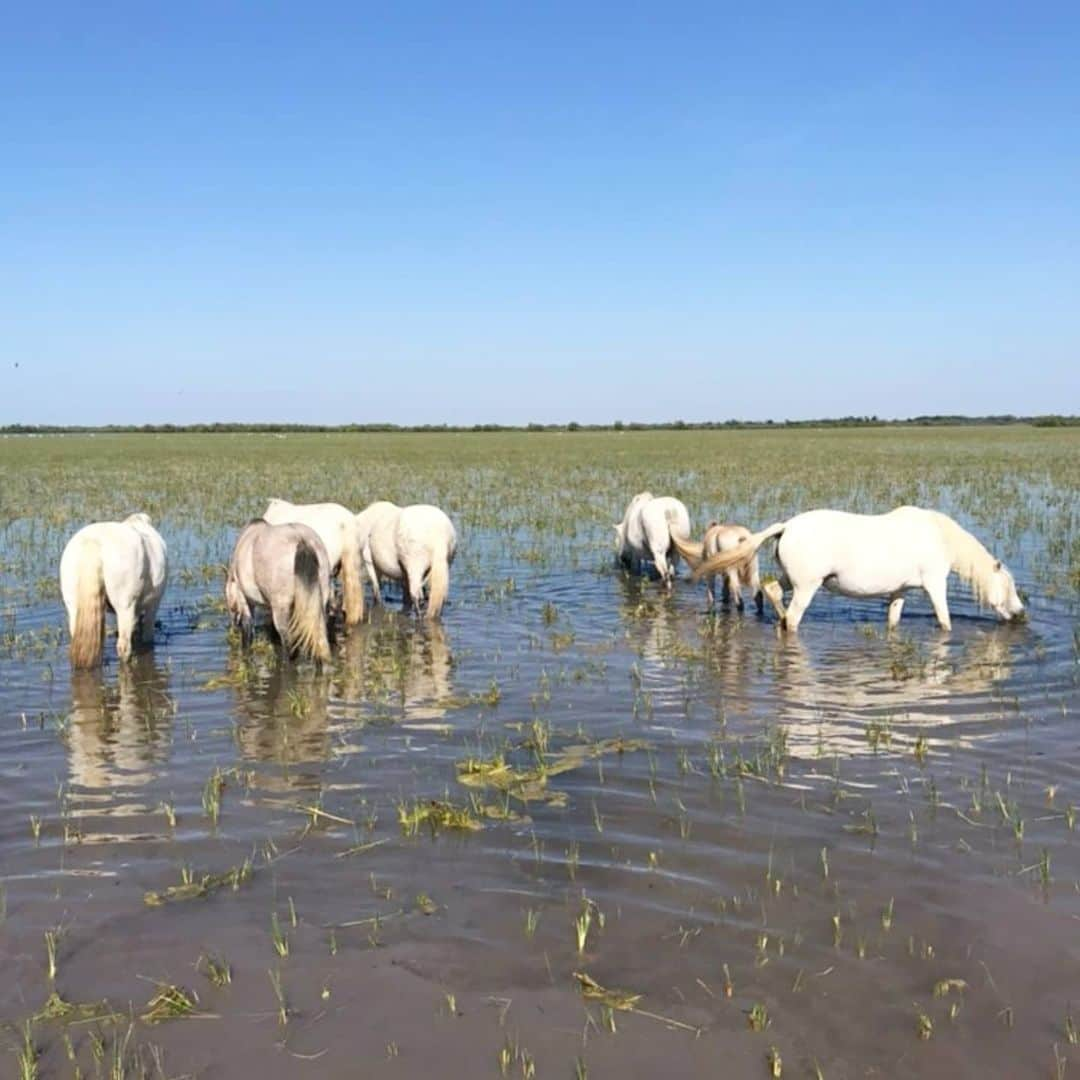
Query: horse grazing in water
336, 528
119, 564
875, 555
645, 533
719, 538
284, 568
414, 545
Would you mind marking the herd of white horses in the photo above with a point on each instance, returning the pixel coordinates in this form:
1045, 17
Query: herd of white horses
285, 562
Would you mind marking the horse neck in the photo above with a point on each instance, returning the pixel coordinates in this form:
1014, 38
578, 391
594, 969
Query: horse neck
969, 560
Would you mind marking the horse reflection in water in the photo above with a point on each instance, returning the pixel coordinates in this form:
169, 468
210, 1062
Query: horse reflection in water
119, 733
832, 700
390, 669
282, 717
399, 670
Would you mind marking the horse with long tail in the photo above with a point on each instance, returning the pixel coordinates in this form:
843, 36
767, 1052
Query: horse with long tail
862, 555
645, 534
719, 538
119, 564
336, 527
414, 545
286, 569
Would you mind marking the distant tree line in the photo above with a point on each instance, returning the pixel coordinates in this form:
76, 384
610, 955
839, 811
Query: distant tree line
617, 425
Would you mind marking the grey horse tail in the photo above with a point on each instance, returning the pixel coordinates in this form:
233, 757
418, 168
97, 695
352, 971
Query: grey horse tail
306, 564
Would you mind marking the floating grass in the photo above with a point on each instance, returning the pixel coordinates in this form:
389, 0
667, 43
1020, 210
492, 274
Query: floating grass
170, 1003
436, 814
199, 888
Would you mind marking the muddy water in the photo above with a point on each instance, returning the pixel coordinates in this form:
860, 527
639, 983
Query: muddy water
816, 832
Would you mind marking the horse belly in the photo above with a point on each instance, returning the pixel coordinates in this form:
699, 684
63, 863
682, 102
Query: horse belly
859, 585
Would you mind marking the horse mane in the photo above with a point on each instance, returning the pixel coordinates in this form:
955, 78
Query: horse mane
970, 561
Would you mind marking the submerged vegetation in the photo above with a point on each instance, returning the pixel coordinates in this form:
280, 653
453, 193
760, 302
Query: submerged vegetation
581, 825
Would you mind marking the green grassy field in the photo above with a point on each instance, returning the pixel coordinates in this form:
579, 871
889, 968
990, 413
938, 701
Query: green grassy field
1016, 485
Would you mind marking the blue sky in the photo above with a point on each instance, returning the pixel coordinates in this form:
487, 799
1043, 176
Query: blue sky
502, 212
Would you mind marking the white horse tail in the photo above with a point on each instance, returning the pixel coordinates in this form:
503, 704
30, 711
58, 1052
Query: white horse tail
88, 637
307, 620
352, 585
438, 578
743, 553
693, 551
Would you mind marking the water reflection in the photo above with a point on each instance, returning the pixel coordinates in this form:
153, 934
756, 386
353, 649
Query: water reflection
119, 734
401, 669
852, 697
390, 670
282, 716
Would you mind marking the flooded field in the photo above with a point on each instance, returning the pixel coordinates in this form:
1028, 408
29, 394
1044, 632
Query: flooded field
580, 827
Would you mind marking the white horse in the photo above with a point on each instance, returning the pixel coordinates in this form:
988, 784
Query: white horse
645, 533
876, 555
719, 538
123, 564
409, 544
336, 528
284, 568
366, 521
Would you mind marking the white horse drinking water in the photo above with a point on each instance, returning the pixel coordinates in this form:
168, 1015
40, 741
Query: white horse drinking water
719, 538
336, 528
645, 533
121, 564
414, 545
876, 555
284, 568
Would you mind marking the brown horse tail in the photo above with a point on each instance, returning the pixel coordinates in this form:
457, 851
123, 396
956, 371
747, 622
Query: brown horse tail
438, 579
738, 555
352, 584
307, 620
693, 551
88, 638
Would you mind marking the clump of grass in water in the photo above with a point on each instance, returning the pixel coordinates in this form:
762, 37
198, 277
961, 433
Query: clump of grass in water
56, 1008
278, 936
532, 920
169, 1003
52, 938
192, 888
279, 993
924, 1026
436, 814
584, 921
215, 968
211, 796
758, 1017
27, 1055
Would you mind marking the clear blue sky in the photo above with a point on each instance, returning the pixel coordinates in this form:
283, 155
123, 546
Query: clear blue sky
511, 212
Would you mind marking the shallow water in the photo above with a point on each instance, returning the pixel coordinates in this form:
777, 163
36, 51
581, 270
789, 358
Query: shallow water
828, 827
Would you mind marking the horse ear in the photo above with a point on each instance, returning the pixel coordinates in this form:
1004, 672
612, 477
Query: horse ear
997, 565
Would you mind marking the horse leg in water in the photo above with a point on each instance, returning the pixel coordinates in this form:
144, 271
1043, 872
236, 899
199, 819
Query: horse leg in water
755, 586
415, 576
148, 618
800, 601
279, 615
733, 587
936, 590
373, 576
896, 606
406, 591
663, 568
237, 605
125, 629
710, 591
